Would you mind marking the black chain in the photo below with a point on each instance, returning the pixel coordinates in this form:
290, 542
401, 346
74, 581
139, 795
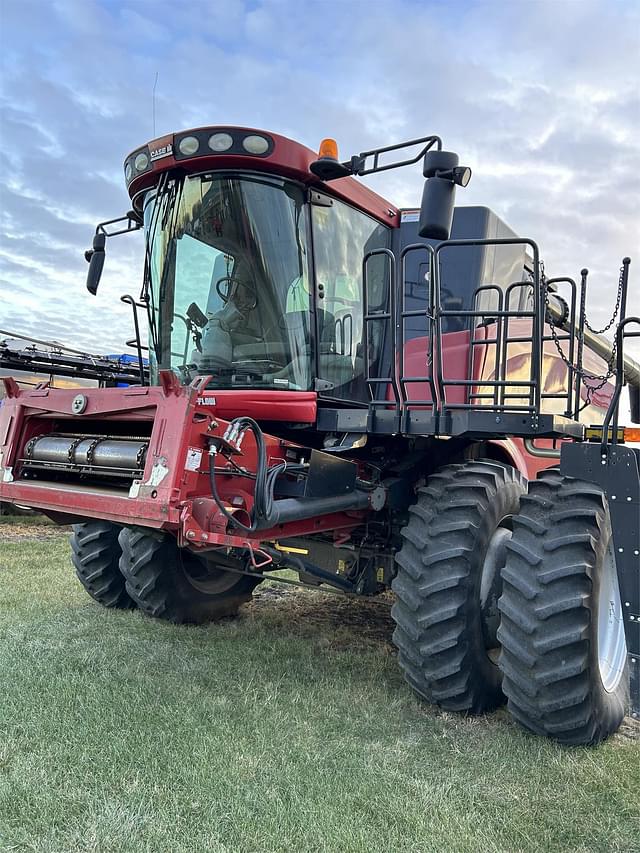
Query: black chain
615, 310
602, 378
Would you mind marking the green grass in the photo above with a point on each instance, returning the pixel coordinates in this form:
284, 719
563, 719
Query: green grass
288, 729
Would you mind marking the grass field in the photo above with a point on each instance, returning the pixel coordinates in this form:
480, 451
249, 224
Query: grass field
288, 729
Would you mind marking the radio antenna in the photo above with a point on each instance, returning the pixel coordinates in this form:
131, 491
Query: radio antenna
153, 103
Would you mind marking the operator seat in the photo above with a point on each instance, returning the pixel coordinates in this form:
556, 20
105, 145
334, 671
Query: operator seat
287, 342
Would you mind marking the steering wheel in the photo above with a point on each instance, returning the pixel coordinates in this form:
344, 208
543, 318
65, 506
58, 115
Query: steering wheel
232, 285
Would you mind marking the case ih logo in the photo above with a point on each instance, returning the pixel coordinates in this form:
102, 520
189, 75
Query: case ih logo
161, 151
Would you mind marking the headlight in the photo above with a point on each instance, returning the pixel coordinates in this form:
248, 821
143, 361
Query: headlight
128, 172
188, 146
220, 142
255, 144
142, 161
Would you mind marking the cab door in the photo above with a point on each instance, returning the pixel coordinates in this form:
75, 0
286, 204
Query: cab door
342, 236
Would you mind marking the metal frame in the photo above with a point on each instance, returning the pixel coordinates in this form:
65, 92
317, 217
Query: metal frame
484, 412
357, 163
614, 405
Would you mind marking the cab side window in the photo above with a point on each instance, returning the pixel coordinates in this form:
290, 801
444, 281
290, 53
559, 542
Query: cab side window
342, 236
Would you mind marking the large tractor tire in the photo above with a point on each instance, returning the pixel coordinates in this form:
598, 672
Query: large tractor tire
95, 554
448, 584
176, 585
564, 654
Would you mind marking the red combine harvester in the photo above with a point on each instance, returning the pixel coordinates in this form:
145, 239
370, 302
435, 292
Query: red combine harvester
367, 396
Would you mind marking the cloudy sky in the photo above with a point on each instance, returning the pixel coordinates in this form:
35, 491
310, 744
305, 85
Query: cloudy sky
540, 98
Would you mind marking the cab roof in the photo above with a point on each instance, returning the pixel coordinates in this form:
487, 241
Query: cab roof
246, 149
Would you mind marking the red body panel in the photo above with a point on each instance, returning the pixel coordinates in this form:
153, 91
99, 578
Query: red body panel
292, 406
455, 365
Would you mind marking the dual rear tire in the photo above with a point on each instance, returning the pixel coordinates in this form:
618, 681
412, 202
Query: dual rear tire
554, 646
564, 654
126, 568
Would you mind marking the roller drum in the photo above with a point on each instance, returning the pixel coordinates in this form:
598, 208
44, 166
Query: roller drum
87, 452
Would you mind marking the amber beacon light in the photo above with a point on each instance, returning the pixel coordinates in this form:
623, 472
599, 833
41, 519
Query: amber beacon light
327, 167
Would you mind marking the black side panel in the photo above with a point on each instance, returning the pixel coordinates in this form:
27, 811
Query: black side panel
463, 270
329, 475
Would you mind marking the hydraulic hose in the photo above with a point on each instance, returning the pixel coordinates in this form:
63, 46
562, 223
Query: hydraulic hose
263, 495
266, 511
259, 497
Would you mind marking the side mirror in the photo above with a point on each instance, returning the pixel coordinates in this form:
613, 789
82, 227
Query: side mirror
443, 173
95, 257
436, 210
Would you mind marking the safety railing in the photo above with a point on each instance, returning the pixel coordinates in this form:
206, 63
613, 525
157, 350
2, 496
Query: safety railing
623, 332
405, 379
383, 314
496, 393
521, 351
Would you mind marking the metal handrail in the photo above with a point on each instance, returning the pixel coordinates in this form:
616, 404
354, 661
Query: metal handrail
535, 314
614, 403
129, 300
404, 315
388, 316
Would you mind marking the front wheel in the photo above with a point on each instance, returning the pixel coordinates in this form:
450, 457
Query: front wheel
95, 554
564, 654
177, 585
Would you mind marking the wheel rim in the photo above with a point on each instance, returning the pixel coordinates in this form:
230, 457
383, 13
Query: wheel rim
490, 588
205, 576
612, 644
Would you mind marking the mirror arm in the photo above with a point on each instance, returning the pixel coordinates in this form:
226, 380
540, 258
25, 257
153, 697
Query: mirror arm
358, 163
95, 256
132, 218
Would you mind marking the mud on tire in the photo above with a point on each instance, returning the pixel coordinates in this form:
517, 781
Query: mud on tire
95, 554
447, 584
557, 680
174, 584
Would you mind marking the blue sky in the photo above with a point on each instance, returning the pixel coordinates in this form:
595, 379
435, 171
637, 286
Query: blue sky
541, 99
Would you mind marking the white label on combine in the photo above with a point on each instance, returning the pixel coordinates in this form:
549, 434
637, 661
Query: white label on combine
410, 216
161, 151
194, 458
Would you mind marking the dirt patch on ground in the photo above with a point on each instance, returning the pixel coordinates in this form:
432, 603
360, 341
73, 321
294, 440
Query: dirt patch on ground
336, 621
629, 730
29, 529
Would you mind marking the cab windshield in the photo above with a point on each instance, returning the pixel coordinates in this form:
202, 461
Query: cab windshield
227, 265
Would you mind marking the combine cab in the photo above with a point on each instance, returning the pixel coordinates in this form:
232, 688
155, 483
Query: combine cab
375, 398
